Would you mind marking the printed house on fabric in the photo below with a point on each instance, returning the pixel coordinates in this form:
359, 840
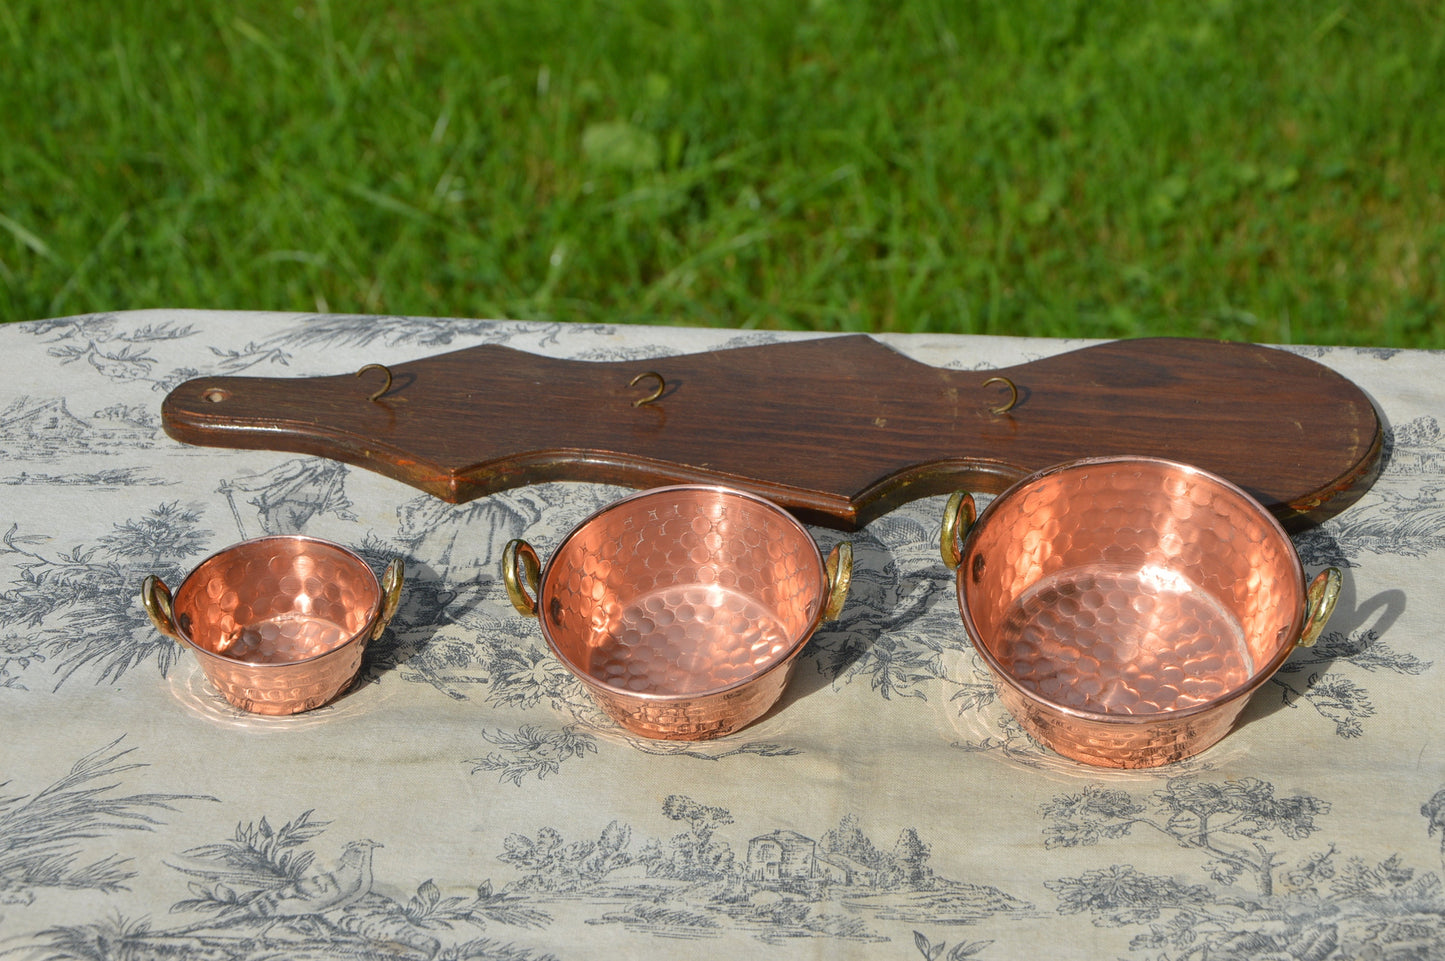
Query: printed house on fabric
789, 856
50, 427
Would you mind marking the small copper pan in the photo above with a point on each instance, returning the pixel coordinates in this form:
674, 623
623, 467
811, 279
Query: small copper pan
279, 624
681, 609
1128, 607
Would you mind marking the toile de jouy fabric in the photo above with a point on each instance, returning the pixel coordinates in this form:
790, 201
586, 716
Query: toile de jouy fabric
466, 800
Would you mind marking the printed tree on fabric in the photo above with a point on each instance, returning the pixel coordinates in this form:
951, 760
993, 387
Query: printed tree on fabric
1252, 903
45, 835
79, 607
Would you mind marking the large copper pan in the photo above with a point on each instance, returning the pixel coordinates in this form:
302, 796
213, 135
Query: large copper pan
1128, 607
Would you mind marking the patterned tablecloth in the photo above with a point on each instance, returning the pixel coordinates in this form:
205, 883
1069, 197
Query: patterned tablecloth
468, 801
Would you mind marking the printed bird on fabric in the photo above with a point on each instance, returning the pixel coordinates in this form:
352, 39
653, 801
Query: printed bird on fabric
244, 887
316, 894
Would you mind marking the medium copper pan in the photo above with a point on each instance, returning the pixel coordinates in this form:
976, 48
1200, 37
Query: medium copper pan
1128, 607
681, 609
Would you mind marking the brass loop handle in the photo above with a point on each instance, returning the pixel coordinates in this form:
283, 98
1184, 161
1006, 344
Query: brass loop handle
377, 395
1323, 593
1013, 390
155, 597
958, 517
661, 386
839, 568
391, 583
520, 563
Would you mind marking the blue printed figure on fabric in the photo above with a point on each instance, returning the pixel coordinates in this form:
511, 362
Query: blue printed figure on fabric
284, 499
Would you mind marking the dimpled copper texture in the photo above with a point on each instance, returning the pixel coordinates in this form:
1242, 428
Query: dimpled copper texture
1128, 607
682, 608
279, 623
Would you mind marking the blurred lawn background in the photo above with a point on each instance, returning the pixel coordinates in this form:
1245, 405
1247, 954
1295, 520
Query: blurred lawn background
1266, 171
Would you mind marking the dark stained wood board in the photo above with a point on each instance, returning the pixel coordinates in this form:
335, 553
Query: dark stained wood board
840, 430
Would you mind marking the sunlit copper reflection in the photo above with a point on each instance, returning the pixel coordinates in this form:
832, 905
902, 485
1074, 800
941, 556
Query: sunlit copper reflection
682, 609
279, 624
1127, 607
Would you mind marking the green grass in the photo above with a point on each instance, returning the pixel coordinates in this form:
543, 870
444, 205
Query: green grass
1254, 170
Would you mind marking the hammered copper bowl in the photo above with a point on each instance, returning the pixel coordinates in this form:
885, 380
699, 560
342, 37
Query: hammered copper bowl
1128, 607
279, 624
681, 609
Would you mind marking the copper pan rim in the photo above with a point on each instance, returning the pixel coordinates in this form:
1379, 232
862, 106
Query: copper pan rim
1261, 674
783, 661
358, 636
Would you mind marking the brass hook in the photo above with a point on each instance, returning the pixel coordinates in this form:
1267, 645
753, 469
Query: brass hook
661, 386
384, 387
1013, 394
